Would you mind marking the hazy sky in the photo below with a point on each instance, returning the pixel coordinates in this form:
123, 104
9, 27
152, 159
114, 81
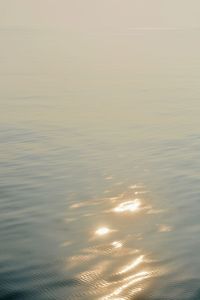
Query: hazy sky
100, 15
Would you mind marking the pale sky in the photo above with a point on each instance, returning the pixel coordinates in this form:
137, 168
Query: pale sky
100, 15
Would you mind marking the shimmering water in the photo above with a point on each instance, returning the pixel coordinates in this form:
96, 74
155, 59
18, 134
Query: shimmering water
99, 177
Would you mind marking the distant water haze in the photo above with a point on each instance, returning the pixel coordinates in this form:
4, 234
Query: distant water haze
99, 158
94, 16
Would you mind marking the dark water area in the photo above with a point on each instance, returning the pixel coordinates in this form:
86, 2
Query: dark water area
99, 165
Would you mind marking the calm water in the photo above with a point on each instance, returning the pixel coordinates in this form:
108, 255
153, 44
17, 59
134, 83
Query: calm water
99, 177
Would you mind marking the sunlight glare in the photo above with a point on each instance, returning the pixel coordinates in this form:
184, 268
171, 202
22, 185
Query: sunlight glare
117, 244
102, 231
133, 265
130, 206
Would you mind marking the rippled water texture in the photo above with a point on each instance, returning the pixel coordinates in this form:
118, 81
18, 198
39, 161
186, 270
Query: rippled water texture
99, 163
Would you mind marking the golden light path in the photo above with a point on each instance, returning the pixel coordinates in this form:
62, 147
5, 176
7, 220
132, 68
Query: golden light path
129, 281
133, 265
128, 206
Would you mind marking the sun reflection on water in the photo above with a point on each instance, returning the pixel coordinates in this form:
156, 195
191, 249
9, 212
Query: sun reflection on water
129, 282
117, 244
111, 265
133, 265
128, 206
102, 231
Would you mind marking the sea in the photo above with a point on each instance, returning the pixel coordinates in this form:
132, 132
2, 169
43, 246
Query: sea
99, 164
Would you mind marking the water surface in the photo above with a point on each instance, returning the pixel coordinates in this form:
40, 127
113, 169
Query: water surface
99, 177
